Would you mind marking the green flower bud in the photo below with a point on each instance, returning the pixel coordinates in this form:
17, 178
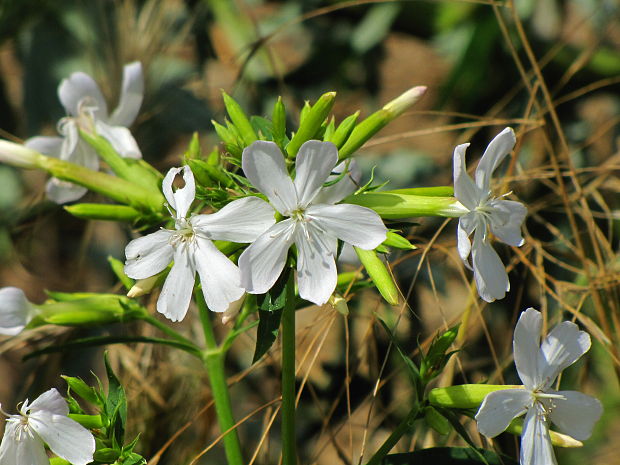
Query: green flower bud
87, 421
100, 211
439, 191
118, 268
82, 389
311, 123
398, 242
193, 150
379, 274
344, 130
398, 206
464, 396
239, 119
278, 121
436, 420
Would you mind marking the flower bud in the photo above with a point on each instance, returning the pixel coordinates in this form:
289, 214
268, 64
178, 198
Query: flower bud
464, 395
391, 205
404, 101
18, 155
100, 211
143, 286
311, 123
239, 119
379, 274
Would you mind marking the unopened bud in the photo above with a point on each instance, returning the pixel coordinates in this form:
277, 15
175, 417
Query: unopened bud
393, 206
18, 155
405, 101
143, 287
464, 395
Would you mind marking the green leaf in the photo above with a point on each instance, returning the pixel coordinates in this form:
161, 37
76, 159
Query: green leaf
263, 127
437, 355
82, 389
267, 332
449, 456
116, 403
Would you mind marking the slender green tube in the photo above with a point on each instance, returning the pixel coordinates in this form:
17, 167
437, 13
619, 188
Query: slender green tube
213, 358
289, 453
391, 441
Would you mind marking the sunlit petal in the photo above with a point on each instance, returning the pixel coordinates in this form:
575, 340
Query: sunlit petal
132, 92
506, 222
148, 255
176, 294
489, 273
315, 161
464, 188
179, 199
526, 347
15, 311
50, 401
496, 151
575, 414
499, 408
28, 450
316, 264
121, 139
536, 448
77, 87
345, 186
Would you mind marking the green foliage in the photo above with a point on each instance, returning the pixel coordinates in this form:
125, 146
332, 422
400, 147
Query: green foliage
449, 456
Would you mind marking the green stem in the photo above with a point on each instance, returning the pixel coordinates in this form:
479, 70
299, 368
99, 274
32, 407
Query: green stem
391, 441
289, 454
164, 328
213, 359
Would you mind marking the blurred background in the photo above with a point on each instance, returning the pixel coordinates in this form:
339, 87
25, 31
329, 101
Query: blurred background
548, 68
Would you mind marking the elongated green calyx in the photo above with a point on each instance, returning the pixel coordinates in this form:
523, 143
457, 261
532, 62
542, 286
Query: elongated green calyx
343, 131
118, 268
100, 211
397, 206
398, 242
311, 123
239, 119
379, 119
464, 396
18, 155
278, 121
379, 274
92, 310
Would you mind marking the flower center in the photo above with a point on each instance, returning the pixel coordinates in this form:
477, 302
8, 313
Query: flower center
184, 235
544, 402
85, 118
299, 215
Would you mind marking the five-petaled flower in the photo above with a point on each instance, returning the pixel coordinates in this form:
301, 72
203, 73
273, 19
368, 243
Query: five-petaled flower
15, 311
314, 222
45, 421
190, 246
482, 212
538, 366
87, 110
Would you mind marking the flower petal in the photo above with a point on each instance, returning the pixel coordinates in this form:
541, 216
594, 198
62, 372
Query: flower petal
354, 224
464, 188
499, 408
75, 88
489, 272
506, 221
262, 262
220, 277
29, 449
131, 96
176, 294
348, 184
50, 401
62, 192
467, 224
526, 347
263, 164
49, 146
316, 264
15, 311
180, 199
561, 348
121, 139
575, 414
496, 151
64, 436
536, 448
148, 255
315, 161
241, 220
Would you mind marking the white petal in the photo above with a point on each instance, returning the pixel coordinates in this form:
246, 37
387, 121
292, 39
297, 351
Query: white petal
49, 146
131, 96
499, 408
464, 188
316, 264
180, 199
220, 278
354, 224
148, 255
506, 221
28, 450
64, 436
526, 347
121, 139
241, 220
15, 311
576, 414
348, 184
467, 224
62, 192
536, 448
50, 401
176, 294
496, 151
77, 87
561, 348
263, 164
262, 262
315, 161
489, 272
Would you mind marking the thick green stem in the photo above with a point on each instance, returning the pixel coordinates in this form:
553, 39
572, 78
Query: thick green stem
289, 453
391, 441
213, 358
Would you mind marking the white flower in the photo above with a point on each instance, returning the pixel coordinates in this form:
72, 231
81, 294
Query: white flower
314, 224
15, 311
87, 110
45, 421
483, 212
190, 246
538, 366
